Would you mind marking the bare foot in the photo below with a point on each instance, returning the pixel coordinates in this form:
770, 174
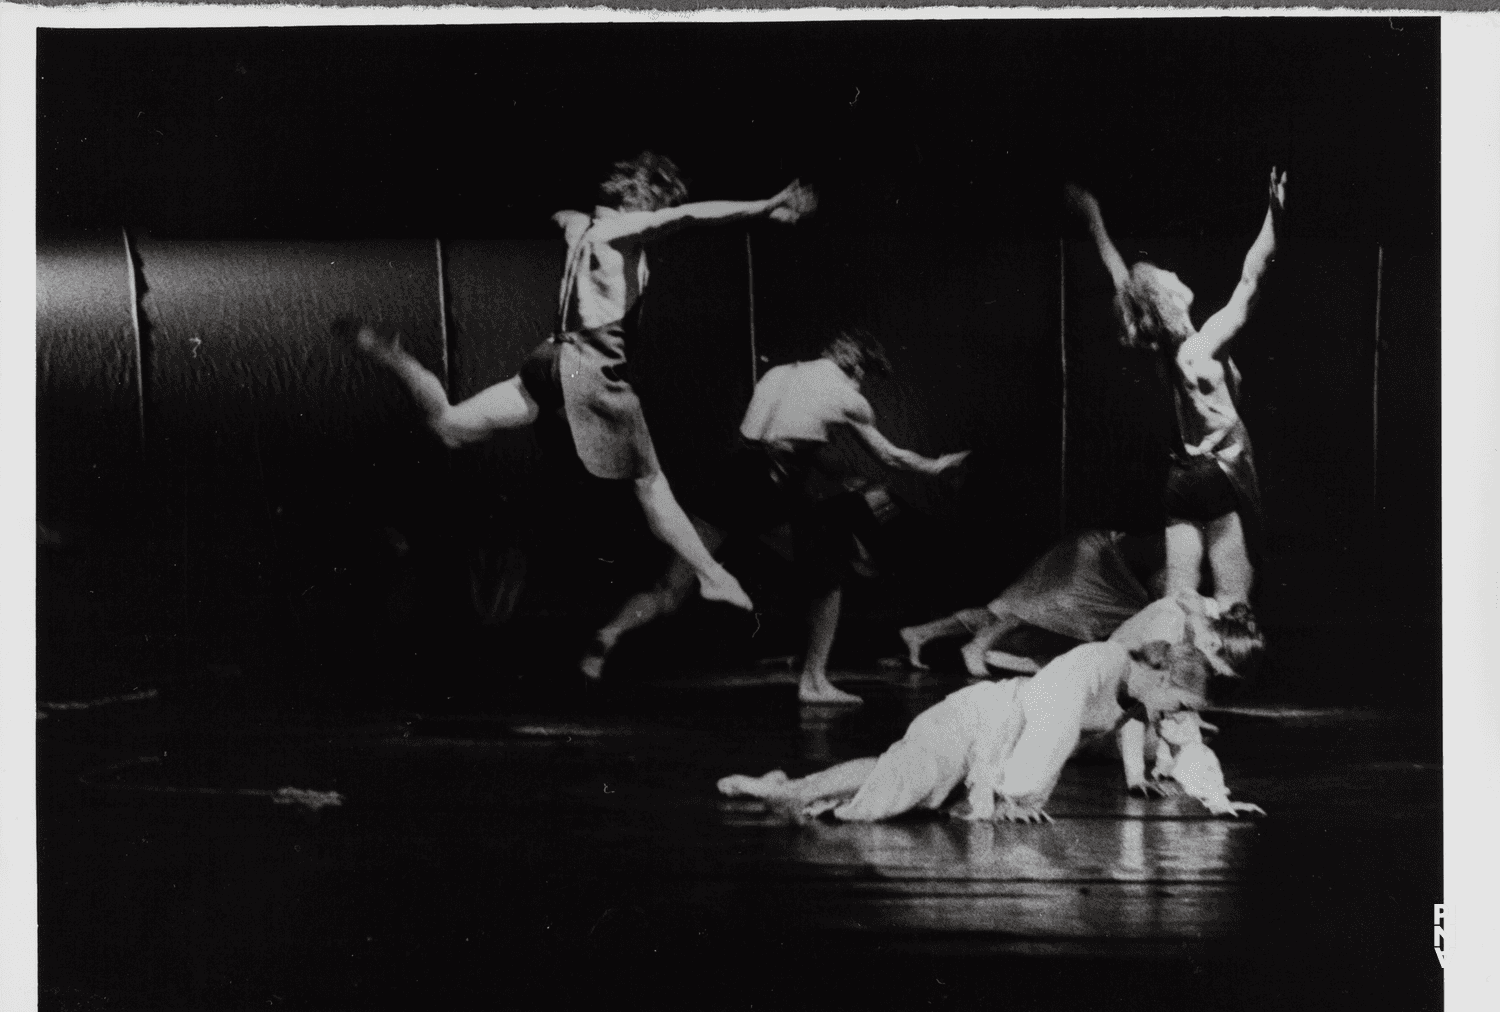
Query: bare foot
821, 691
973, 652
913, 647
376, 345
592, 662
741, 786
720, 585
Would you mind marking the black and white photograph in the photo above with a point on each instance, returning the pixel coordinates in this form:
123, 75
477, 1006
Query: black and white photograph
849, 513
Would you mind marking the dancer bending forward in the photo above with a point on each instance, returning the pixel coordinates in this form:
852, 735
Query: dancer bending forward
1211, 491
1007, 741
782, 471
1084, 588
580, 374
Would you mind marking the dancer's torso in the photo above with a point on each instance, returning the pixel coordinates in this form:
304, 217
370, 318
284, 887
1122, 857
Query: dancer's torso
790, 416
798, 403
602, 281
1094, 671
1204, 396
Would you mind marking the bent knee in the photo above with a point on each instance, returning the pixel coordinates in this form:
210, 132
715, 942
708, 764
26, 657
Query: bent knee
451, 432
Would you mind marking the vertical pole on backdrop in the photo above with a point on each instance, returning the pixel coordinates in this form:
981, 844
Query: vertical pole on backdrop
442, 287
750, 270
132, 272
443, 329
1375, 388
1062, 347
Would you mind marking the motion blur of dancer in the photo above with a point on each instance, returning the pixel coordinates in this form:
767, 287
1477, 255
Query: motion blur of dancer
781, 471
1007, 741
1212, 491
580, 374
1082, 589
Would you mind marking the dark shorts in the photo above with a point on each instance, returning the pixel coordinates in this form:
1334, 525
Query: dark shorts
542, 377
750, 491
1198, 490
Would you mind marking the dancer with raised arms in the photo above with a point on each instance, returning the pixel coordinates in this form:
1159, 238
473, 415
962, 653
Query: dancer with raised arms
1212, 490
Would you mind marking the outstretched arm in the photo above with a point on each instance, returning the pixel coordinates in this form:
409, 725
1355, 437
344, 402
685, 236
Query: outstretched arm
1083, 202
645, 226
862, 418
1222, 327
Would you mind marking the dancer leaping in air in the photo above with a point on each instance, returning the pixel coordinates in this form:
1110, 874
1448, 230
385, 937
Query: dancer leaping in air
580, 374
1211, 491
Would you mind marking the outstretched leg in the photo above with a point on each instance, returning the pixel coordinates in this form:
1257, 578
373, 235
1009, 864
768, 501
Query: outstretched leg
673, 528
1184, 557
646, 607
1229, 560
505, 405
836, 783
970, 621
823, 623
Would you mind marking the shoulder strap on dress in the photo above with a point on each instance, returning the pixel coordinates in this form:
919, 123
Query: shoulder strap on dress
576, 254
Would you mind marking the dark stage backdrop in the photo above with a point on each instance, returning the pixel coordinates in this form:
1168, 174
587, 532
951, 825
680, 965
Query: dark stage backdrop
224, 482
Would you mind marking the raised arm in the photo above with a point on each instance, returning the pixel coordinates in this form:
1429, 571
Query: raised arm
1083, 202
644, 226
861, 417
1223, 326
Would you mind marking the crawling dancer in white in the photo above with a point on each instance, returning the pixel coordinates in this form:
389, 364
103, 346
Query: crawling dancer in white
1211, 491
781, 471
580, 374
1007, 741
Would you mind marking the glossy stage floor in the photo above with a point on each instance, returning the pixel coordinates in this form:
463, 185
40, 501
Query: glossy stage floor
578, 854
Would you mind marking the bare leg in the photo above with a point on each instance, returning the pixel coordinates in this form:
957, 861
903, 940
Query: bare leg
984, 639
673, 528
1184, 557
1229, 560
505, 405
836, 782
646, 607
970, 620
823, 622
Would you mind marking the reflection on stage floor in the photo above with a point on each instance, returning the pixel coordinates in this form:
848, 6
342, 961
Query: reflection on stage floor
480, 853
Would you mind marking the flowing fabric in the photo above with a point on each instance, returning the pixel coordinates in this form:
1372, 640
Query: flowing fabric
1082, 588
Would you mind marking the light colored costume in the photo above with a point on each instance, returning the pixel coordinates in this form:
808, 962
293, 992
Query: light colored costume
781, 470
797, 402
1180, 752
1008, 739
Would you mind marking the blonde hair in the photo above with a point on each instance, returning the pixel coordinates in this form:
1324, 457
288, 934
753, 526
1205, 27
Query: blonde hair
1146, 315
